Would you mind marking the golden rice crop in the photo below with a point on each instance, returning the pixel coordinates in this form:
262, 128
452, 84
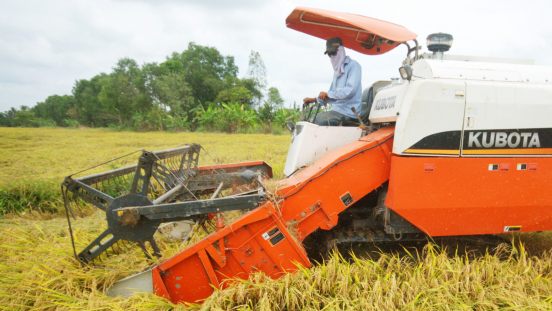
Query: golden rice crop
51, 154
38, 271
427, 281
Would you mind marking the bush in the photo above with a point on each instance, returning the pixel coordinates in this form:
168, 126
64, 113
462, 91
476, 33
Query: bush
236, 118
42, 197
229, 118
46, 122
72, 123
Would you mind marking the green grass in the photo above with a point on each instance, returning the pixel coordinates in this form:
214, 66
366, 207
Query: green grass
39, 197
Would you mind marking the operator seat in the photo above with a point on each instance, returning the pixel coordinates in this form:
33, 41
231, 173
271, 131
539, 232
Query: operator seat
367, 100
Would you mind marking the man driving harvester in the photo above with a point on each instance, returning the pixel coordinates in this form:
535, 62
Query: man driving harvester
346, 89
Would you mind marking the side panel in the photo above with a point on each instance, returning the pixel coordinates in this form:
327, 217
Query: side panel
530, 195
430, 119
314, 197
257, 242
507, 119
466, 196
388, 102
310, 142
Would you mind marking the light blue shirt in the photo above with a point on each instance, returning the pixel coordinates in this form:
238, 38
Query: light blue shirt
346, 90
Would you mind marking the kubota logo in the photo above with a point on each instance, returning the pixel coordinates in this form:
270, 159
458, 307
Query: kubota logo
503, 139
385, 103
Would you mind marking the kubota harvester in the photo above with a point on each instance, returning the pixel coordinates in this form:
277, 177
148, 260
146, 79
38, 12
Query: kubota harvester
459, 146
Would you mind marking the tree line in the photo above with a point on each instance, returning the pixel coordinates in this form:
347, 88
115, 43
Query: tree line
198, 89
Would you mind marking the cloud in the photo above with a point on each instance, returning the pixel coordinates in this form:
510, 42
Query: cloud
46, 46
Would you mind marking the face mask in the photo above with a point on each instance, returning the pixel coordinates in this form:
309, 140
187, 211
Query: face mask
338, 61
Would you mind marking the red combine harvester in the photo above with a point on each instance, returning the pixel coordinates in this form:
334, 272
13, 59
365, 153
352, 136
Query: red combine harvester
460, 146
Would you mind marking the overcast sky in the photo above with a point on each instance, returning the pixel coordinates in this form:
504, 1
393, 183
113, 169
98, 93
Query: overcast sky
46, 45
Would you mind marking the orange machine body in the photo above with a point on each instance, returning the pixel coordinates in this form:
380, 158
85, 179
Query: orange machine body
445, 196
257, 242
260, 242
442, 196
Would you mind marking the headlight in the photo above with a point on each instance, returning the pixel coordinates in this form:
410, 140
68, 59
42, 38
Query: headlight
406, 72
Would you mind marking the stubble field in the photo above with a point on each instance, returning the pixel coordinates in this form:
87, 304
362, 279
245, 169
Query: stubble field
38, 271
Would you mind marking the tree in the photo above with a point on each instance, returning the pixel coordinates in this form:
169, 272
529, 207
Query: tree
274, 99
25, 117
8, 118
257, 72
273, 103
130, 74
171, 66
174, 92
123, 92
206, 71
89, 110
238, 94
56, 108
118, 98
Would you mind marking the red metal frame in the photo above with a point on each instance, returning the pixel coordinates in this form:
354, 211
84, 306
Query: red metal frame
251, 244
235, 167
358, 172
192, 275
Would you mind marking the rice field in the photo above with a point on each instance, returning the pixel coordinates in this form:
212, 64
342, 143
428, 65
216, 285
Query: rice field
35, 160
38, 271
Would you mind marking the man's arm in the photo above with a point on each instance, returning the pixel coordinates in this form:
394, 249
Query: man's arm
353, 78
308, 100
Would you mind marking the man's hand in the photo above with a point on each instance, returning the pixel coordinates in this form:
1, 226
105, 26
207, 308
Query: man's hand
308, 100
323, 95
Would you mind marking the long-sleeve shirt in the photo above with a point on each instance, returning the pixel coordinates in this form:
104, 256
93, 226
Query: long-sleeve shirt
346, 90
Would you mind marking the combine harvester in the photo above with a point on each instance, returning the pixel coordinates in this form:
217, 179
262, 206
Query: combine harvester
461, 146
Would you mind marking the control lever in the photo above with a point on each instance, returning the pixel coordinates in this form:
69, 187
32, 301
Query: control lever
327, 114
362, 125
317, 105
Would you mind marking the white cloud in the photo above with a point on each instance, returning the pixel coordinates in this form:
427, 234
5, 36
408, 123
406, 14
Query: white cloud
46, 46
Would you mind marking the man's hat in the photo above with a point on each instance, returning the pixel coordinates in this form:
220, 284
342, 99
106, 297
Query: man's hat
333, 44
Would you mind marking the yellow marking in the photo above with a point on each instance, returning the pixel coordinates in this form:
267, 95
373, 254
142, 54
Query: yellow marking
432, 151
120, 213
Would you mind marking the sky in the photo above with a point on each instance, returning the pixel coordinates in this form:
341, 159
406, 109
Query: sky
45, 46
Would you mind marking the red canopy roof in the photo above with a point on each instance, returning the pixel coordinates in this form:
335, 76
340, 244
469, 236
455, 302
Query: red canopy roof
358, 32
